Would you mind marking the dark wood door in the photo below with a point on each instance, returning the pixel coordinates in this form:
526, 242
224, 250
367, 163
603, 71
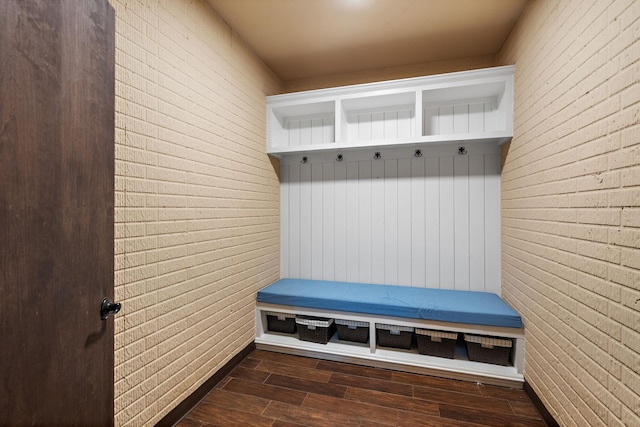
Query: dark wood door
56, 211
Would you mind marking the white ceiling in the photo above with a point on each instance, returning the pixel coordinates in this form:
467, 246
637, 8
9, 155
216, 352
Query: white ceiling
307, 38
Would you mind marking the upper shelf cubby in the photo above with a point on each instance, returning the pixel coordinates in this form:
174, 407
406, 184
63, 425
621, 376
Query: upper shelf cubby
445, 108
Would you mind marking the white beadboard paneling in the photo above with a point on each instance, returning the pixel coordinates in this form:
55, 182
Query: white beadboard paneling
476, 117
310, 130
316, 222
294, 133
377, 125
404, 222
340, 222
328, 221
353, 222
406, 124
477, 221
391, 125
365, 228
418, 222
284, 220
430, 121
377, 222
305, 222
294, 220
461, 118
492, 224
390, 221
430, 221
461, 221
445, 120
447, 224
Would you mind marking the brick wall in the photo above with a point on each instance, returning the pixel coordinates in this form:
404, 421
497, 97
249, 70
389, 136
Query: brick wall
197, 201
571, 206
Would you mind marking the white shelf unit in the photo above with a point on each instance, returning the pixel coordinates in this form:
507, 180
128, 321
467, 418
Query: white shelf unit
448, 108
370, 354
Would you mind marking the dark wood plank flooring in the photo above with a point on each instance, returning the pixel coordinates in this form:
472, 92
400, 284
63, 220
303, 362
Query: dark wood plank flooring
279, 390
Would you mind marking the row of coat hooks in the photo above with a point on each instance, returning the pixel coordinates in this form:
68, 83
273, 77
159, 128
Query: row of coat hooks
378, 156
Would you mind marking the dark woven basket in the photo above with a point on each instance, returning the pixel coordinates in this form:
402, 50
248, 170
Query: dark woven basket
317, 334
446, 347
276, 323
393, 338
497, 355
353, 333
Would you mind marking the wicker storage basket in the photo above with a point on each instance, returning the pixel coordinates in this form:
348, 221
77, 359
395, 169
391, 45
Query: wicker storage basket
488, 349
352, 330
436, 343
281, 322
394, 336
315, 329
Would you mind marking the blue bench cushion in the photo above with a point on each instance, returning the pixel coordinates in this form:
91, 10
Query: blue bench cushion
477, 308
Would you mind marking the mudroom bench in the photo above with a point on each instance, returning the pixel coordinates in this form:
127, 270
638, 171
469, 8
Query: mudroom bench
448, 333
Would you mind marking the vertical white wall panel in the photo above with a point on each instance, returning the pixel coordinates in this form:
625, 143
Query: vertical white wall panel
353, 222
492, 223
403, 209
365, 229
447, 224
284, 220
294, 220
377, 126
476, 222
461, 118
418, 222
431, 221
445, 122
328, 221
390, 221
305, 221
340, 222
461, 221
316, 222
377, 222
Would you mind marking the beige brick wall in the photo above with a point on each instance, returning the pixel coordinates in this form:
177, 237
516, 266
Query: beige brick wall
571, 206
197, 201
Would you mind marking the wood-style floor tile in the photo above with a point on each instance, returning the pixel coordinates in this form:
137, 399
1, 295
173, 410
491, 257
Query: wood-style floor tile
227, 417
524, 408
435, 382
243, 373
250, 363
411, 419
308, 417
286, 359
503, 392
372, 384
395, 401
279, 423
265, 391
385, 416
306, 385
241, 402
462, 399
280, 390
186, 422
487, 418
294, 371
362, 371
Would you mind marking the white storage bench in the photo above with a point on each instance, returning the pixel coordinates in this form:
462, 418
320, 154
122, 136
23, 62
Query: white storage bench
465, 313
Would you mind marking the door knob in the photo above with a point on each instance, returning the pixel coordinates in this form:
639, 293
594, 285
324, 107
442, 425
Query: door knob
108, 307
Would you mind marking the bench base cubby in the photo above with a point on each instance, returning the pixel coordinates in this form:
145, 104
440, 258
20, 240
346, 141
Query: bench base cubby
370, 354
